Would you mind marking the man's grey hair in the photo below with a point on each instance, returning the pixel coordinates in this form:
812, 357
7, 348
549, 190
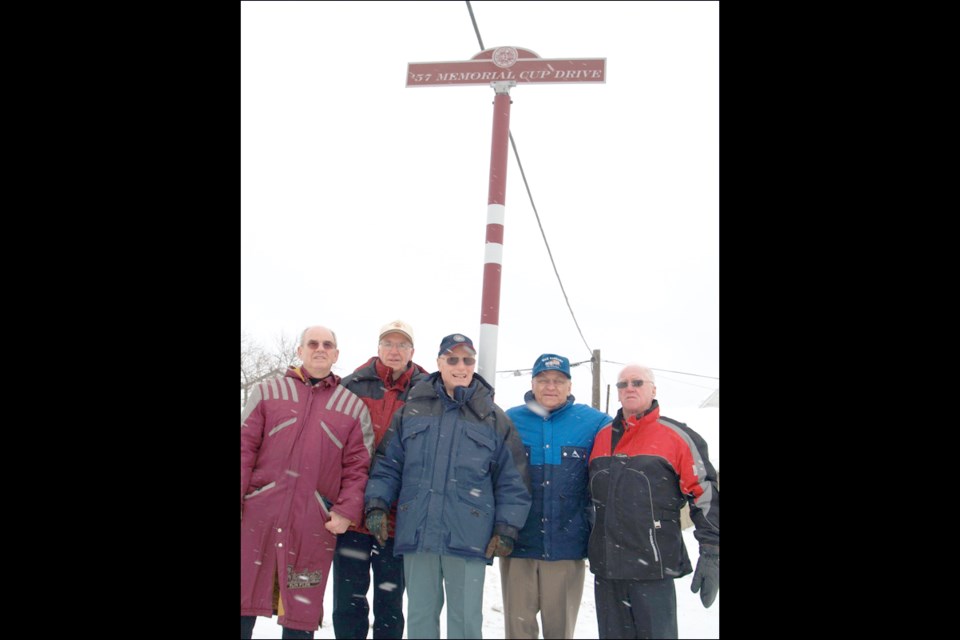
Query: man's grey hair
303, 334
646, 372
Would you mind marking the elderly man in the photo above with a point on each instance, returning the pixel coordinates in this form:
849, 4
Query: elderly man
383, 382
643, 468
455, 465
305, 449
545, 572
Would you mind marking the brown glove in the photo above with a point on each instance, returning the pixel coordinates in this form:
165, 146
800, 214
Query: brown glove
377, 525
500, 545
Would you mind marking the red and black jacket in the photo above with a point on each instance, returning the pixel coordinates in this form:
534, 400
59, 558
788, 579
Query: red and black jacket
642, 469
373, 382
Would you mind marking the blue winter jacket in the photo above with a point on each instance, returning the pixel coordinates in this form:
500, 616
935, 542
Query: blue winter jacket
456, 468
558, 447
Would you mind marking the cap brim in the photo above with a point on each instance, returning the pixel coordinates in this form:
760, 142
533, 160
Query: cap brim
472, 351
403, 333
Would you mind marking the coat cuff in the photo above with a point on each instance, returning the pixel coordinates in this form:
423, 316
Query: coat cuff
504, 529
376, 503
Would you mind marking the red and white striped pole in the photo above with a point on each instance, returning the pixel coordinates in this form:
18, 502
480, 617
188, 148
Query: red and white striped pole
493, 250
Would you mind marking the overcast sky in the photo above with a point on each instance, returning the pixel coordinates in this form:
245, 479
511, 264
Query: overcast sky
363, 201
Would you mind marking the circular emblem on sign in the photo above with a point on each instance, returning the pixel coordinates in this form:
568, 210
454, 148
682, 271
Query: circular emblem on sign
505, 57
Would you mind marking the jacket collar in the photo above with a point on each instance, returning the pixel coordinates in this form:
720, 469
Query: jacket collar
648, 416
331, 380
528, 399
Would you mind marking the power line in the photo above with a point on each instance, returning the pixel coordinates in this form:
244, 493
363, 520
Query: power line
516, 154
517, 372
683, 373
475, 27
547, 244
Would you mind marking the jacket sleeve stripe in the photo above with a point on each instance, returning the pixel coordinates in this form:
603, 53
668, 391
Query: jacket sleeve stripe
366, 425
293, 389
252, 402
705, 500
699, 469
350, 408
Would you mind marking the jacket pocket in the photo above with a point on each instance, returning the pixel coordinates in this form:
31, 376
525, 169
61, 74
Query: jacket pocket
409, 524
257, 492
473, 462
282, 425
417, 462
324, 505
470, 529
574, 467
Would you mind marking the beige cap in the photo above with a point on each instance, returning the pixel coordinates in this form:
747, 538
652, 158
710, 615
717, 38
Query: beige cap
398, 326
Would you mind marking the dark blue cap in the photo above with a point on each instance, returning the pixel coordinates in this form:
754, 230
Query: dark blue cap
455, 340
551, 362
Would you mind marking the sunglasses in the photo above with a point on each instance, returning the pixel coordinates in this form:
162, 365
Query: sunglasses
454, 360
327, 344
636, 383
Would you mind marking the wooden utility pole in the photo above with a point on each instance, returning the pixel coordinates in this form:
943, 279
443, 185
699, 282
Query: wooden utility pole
596, 378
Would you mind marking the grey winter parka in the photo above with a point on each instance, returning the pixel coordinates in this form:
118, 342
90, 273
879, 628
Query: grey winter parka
458, 467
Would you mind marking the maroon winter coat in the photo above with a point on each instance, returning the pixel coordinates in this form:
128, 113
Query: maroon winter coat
299, 444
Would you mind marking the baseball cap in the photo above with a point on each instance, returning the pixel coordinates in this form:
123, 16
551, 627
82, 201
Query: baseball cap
455, 340
551, 362
397, 326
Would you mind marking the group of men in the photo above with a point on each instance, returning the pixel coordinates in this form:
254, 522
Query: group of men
423, 479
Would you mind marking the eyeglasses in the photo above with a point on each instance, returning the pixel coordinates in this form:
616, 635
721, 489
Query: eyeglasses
636, 383
327, 344
546, 382
454, 360
402, 346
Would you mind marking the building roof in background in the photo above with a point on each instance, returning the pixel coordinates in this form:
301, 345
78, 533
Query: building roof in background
712, 401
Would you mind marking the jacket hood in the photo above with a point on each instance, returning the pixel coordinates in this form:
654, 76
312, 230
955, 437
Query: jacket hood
303, 375
374, 368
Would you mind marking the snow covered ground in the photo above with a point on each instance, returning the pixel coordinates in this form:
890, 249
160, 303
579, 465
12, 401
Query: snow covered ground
694, 621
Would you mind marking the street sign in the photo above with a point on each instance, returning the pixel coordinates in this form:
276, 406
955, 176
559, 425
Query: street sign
505, 64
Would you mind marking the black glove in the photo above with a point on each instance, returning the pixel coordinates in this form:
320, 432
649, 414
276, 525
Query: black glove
706, 579
500, 545
377, 525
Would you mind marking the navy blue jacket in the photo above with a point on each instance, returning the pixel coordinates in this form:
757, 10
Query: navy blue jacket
558, 447
456, 468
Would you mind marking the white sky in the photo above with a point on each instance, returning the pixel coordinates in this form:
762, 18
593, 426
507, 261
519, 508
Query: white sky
693, 620
363, 201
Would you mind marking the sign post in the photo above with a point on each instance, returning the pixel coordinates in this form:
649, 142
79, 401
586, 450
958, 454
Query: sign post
501, 68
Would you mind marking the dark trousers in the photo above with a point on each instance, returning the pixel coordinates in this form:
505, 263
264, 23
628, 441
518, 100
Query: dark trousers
356, 554
246, 630
636, 608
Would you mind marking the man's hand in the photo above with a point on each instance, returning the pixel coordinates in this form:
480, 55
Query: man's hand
500, 545
337, 524
706, 579
377, 525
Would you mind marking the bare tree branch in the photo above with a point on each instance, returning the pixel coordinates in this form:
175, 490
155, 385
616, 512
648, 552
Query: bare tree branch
258, 364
